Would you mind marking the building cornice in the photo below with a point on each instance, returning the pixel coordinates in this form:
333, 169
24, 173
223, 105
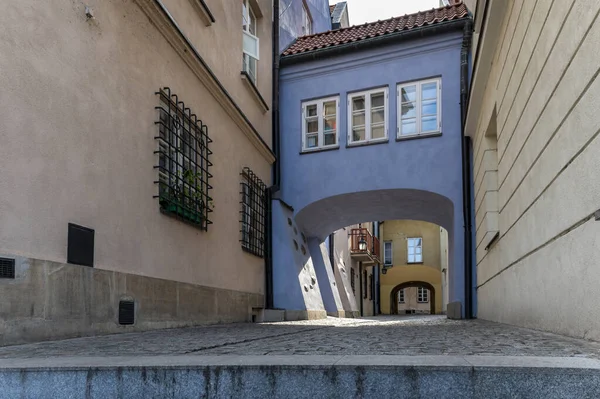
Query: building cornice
167, 26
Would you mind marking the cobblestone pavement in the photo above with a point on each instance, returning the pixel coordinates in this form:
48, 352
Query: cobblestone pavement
384, 335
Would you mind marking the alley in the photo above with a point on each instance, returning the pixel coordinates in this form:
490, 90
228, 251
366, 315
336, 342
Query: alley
382, 335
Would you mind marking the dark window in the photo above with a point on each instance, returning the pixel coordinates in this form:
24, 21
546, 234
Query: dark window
7, 268
80, 246
371, 286
253, 213
352, 280
183, 162
126, 312
365, 284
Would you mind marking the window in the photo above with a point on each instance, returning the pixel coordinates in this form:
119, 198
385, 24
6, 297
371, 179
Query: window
320, 124
419, 108
371, 286
422, 295
415, 250
401, 296
253, 213
183, 162
352, 280
250, 41
365, 284
306, 21
387, 253
367, 116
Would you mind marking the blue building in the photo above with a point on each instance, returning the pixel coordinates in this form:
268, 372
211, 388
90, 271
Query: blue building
370, 129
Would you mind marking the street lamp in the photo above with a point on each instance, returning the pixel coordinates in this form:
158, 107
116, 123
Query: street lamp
362, 244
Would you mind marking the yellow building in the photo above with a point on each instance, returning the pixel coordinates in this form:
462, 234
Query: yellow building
415, 263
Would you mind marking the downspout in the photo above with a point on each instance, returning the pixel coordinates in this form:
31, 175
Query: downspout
466, 165
275, 174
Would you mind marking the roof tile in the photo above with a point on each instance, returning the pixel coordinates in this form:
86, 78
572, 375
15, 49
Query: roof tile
356, 33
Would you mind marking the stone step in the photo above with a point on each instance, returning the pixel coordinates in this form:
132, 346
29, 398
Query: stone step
188, 376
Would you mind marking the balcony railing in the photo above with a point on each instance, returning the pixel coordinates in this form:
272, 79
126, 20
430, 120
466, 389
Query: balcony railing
362, 242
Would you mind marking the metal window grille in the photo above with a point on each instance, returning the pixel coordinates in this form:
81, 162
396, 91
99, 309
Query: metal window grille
364, 284
183, 162
253, 213
352, 280
7, 268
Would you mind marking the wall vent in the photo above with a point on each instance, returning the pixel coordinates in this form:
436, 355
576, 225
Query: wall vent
80, 247
7, 268
126, 313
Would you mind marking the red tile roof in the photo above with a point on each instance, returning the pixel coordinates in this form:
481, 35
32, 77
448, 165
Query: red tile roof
375, 29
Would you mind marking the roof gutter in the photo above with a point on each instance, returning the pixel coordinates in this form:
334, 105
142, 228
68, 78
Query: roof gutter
414, 33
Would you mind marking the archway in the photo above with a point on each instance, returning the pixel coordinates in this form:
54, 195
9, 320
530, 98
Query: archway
408, 284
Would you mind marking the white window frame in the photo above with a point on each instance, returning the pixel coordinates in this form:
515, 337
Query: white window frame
418, 101
390, 261
401, 296
367, 94
306, 20
408, 246
422, 295
248, 56
321, 120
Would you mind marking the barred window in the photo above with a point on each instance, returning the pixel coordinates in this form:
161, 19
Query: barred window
352, 280
183, 162
253, 213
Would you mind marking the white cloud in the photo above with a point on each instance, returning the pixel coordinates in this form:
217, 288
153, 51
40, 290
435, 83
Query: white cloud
361, 11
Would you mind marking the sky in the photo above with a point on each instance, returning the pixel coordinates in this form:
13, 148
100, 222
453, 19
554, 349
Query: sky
361, 11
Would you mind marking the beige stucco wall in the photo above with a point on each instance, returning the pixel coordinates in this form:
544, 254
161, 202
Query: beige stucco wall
398, 231
77, 132
544, 92
411, 302
402, 274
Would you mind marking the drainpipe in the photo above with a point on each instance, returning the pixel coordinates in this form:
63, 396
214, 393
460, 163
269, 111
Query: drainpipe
276, 170
466, 166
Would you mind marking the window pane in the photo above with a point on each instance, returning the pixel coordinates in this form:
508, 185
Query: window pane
358, 103
418, 250
358, 119
418, 241
329, 138
358, 134
330, 123
419, 258
312, 141
409, 93
429, 91
429, 123
311, 110
409, 110
312, 125
250, 45
409, 127
429, 107
411, 258
411, 250
329, 108
377, 131
378, 116
377, 100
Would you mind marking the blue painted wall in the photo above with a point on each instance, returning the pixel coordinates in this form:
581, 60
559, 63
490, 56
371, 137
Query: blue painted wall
401, 179
290, 19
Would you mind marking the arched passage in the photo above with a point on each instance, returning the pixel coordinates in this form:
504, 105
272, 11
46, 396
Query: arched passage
408, 284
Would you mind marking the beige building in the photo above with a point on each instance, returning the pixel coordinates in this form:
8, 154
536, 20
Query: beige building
131, 147
415, 266
533, 120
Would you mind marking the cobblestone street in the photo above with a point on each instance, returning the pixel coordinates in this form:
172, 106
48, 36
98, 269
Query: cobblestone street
383, 335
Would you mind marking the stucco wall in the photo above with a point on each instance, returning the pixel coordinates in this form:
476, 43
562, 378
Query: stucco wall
78, 138
411, 302
398, 232
544, 89
337, 188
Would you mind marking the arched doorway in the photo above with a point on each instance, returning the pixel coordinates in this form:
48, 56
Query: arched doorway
408, 284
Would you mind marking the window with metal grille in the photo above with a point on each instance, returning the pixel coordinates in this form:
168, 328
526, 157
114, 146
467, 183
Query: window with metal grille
352, 280
253, 213
364, 284
183, 162
7, 268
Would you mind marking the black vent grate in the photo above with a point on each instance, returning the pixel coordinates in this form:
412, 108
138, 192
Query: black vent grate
80, 247
7, 268
126, 312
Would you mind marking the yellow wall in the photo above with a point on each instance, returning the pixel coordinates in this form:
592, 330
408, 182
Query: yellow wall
401, 274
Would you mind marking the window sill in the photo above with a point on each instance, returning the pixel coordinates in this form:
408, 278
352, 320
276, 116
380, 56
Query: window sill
254, 90
419, 136
322, 149
414, 263
365, 143
204, 12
